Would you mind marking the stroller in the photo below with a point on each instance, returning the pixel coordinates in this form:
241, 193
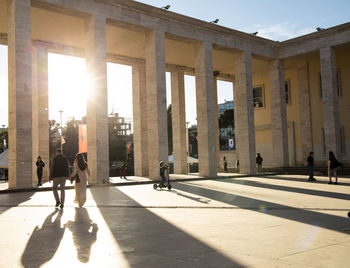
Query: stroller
162, 182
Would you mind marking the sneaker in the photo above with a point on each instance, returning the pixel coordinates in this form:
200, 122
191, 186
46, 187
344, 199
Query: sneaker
57, 203
330, 182
313, 179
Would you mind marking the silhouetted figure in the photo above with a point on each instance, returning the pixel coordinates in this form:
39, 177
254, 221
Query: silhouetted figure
81, 168
333, 164
39, 170
259, 161
123, 170
162, 169
310, 163
59, 173
225, 163
84, 233
44, 242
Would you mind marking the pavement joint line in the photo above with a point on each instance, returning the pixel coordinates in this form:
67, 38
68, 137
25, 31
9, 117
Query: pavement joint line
185, 207
44, 189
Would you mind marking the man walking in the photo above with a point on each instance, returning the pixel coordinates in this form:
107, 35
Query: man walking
59, 173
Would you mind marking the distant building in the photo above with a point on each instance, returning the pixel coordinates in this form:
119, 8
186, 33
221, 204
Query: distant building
222, 107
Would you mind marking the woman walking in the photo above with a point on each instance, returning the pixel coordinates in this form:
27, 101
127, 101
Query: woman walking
333, 164
39, 171
82, 170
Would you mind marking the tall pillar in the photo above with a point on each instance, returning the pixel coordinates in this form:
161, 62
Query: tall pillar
205, 110
156, 102
244, 113
97, 109
330, 100
20, 94
179, 122
280, 154
304, 109
40, 109
139, 92
217, 137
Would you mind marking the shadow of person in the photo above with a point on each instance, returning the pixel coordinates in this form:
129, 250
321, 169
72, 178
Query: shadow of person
44, 242
84, 233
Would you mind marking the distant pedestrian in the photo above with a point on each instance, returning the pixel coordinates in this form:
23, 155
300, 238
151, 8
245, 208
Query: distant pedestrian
59, 173
162, 169
39, 170
82, 170
259, 161
123, 170
310, 163
237, 165
333, 164
225, 163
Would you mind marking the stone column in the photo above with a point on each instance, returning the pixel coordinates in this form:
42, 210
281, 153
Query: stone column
97, 111
217, 137
244, 113
279, 129
330, 101
140, 119
304, 110
179, 122
41, 144
20, 94
156, 102
206, 123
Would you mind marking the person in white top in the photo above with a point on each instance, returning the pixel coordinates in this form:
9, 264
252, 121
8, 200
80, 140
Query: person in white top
81, 168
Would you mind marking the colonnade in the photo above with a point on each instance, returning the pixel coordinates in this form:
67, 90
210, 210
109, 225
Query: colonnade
28, 104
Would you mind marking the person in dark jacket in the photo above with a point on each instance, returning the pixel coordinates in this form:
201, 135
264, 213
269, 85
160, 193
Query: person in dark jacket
123, 170
333, 164
59, 173
225, 163
39, 171
310, 163
259, 161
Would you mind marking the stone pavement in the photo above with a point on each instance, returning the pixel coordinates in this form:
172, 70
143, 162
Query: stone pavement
270, 221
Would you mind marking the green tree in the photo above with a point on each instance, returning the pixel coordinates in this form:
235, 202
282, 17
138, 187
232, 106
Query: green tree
54, 137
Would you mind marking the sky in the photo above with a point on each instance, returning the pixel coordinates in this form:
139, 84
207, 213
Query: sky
272, 19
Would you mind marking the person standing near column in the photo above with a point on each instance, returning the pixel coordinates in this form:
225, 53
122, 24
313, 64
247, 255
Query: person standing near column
39, 171
59, 173
259, 161
225, 163
333, 164
310, 163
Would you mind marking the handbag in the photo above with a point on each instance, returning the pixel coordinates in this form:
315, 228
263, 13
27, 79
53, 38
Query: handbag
76, 178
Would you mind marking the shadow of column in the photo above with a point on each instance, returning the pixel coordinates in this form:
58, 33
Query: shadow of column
147, 240
84, 233
44, 242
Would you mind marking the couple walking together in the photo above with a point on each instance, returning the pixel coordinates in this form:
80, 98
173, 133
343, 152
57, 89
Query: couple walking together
59, 173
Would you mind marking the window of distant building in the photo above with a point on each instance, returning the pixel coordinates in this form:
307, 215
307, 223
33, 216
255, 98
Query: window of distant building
287, 87
258, 96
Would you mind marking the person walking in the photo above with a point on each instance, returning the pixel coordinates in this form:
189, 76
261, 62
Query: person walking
39, 170
259, 161
82, 170
225, 163
310, 163
59, 173
123, 170
333, 164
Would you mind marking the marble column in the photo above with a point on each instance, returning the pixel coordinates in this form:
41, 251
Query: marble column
97, 106
244, 113
139, 92
217, 137
304, 109
330, 100
156, 102
206, 121
179, 122
280, 154
41, 142
20, 94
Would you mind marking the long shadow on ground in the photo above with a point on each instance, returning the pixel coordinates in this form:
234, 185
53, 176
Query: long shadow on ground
288, 188
149, 241
331, 222
10, 200
342, 181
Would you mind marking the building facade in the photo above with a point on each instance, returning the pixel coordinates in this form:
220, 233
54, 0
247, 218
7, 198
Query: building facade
314, 67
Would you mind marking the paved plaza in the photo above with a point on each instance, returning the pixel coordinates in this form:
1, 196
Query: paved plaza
270, 221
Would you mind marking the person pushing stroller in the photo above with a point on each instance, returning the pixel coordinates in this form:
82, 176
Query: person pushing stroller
162, 169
